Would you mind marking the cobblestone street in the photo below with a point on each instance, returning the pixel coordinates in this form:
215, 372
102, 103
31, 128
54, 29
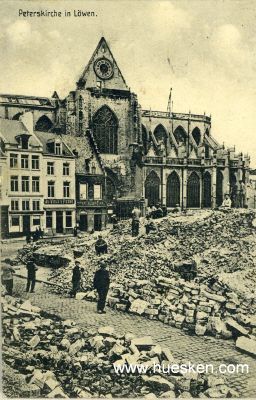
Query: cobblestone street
195, 349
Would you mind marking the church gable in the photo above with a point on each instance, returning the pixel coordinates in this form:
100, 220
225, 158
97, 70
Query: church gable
102, 70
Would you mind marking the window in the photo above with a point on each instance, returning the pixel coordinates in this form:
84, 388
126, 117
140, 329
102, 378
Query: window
14, 184
15, 205
97, 192
25, 205
36, 221
68, 219
48, 219
51, 189
105, 127
66, 169
24, 161
24, 142
83, 191
35, 184
13, 160
93, 169
57, 148
36, 205
50, 168
15, 221
25, 183
35, 162
66, 189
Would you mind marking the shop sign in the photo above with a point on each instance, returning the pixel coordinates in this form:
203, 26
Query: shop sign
59, 201
91, 203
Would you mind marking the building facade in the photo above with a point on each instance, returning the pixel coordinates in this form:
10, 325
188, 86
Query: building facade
135, 155
38, 180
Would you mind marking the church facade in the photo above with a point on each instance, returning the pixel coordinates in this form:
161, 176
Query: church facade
144, 156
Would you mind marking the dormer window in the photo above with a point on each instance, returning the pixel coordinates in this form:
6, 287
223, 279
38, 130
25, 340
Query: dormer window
58, 148
23, 140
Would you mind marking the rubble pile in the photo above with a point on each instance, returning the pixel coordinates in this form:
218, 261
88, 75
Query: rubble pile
59, 359
198, 307
143, 269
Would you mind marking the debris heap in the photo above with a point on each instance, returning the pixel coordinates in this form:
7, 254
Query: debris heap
56, 358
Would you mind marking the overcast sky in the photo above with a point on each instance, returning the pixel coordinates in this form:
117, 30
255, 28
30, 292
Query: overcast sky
205, 50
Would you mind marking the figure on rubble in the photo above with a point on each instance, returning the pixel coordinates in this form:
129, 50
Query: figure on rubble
76, 279
101, 246
226, 204
114, 221
101, 283
150, 226
7, 278
135, 221
31, 277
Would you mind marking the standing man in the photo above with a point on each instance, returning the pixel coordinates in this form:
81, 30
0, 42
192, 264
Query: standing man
101, 246
135, 221
31, 278
101, 284
76, 279
7, 278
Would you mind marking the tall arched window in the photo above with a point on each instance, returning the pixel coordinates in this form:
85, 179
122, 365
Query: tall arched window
105, 127
152, 188
180, 135
207, 189
173, 190
219, 188
44, 124
193, 190
196, 136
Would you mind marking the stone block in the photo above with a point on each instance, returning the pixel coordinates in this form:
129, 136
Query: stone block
235, 326
246, 344
34, 341
106, 331
142, 343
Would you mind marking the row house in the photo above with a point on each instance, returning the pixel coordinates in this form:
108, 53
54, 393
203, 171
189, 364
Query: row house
37, 180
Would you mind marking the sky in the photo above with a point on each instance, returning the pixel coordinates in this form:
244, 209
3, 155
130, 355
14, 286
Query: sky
204, 49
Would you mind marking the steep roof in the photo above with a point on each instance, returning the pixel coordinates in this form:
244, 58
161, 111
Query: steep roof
88, 75
85, 148
11, 129
47, 137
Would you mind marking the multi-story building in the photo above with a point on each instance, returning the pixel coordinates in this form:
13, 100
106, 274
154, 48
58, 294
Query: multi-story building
37, 180
58, 184
148, 155
23, 152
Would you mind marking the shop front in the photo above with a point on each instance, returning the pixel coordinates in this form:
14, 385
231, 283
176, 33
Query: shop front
91, 215
59, 216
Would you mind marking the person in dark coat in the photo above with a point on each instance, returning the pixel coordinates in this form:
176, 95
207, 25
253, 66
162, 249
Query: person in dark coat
31, 278
40, 233
75, 231
28, 237
101, 284
76, 279
101, 246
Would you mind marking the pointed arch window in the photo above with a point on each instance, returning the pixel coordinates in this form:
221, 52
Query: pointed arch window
173, 190
105, 128
152, 188
44, 124
180, 135
196, 136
